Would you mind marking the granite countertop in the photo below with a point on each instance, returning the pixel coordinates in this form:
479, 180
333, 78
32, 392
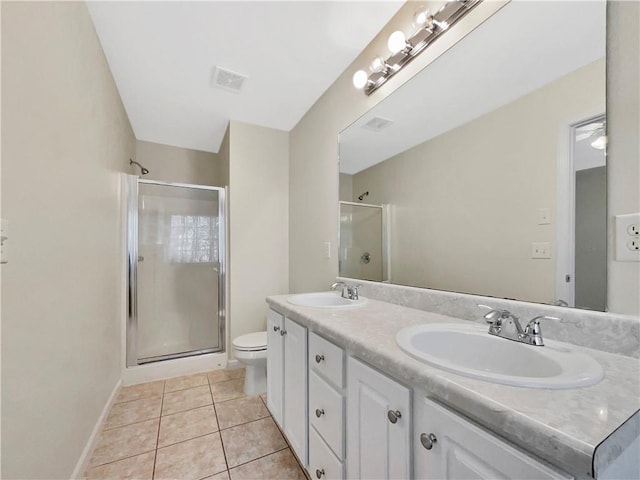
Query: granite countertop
572, 429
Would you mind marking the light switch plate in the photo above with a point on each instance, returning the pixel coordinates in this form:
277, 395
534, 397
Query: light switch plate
544, 216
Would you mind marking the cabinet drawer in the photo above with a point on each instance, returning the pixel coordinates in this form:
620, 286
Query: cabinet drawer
323, 464
326, 413
326, 359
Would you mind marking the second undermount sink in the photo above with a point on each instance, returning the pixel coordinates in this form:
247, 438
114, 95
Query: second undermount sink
324, 300
469, 350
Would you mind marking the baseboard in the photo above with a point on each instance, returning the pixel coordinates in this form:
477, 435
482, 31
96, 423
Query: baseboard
95, 433
233, 363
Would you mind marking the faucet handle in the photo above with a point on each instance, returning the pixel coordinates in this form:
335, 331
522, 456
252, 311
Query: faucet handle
353, 292
533, 330
495, 317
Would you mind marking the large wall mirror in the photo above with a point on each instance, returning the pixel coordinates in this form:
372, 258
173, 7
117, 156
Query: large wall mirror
486, 172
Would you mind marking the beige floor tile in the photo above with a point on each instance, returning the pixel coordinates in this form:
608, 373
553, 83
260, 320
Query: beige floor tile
281, 465
251, 440
240, 410
186, 425
264, 398
186, 399
143, 390
193, 459
188, 381
219, 476
133, 411
225, 374
139, 467
228, 390
123, 442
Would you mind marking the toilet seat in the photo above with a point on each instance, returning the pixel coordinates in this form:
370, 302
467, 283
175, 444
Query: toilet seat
251, 342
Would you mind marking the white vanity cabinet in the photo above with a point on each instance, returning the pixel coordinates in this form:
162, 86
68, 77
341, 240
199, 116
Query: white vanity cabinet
449, 447
378, 425
287, 379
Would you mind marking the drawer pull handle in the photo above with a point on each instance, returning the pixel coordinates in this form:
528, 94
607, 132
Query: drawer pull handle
394, 416
276, 328
319, 358
319, 412
319, 473
283, 333
427, 441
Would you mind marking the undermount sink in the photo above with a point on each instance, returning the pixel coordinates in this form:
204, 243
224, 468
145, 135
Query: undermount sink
470, 351
324, 300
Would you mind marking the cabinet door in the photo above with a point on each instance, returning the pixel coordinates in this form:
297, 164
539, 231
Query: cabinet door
275, 365
464, 451
295, 388
377, 446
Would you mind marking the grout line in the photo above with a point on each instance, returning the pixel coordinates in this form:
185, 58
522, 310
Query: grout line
188, 439
128, 424
243, 423
185, 410
119, 460
146, 397
262, 456
187, 388
224, 452
155, 457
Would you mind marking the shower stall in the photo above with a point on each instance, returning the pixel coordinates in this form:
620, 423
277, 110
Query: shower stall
176, 261
364, 241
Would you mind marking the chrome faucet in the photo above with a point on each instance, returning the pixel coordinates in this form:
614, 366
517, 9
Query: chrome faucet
503, 323
348, 291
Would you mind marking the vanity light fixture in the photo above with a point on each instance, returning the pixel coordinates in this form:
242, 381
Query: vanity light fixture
429, 28
600, 142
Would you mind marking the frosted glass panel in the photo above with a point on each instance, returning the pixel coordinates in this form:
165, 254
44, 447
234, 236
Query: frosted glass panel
361, 242
178, 270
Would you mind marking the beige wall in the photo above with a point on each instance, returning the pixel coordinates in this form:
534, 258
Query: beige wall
623, 151
180, 165
259, 225
313, 169
458, 207
65, 137
313, 148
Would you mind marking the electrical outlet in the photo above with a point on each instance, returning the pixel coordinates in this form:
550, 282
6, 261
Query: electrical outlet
541, 250
627, 237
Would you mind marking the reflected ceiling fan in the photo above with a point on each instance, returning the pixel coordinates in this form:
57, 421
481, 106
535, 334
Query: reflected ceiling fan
595, 132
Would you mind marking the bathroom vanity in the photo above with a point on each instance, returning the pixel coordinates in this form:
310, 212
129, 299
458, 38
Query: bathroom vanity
352, 404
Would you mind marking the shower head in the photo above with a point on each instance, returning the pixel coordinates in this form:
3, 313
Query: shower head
361, 197
143, 170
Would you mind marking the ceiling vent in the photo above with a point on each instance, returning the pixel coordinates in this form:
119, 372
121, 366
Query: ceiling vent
228, 80
377, 124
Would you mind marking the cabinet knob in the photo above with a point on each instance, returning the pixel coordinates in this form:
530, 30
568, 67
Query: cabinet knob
283, 332
319, 358
427, 440
394, 416
319, 473
276, 328
319, 412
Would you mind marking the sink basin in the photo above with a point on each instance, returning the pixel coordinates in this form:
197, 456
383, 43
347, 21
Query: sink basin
470, 351
324, 300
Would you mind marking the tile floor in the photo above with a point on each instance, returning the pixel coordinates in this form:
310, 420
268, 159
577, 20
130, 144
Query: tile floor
192, 427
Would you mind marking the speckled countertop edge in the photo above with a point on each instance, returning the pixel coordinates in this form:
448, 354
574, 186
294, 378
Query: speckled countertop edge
556, 425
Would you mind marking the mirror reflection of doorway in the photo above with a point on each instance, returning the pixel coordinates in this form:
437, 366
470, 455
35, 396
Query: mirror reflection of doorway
586, 269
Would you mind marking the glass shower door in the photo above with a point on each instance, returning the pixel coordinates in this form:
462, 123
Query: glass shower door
177, 271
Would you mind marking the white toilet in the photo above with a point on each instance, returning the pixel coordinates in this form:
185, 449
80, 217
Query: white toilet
251, 350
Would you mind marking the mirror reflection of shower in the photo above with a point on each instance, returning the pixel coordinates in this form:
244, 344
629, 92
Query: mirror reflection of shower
143, 170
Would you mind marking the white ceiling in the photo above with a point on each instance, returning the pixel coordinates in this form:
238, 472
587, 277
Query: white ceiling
162, 56
524, 46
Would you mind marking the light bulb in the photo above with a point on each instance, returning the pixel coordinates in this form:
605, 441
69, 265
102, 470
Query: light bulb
422, 19
396, 42
377, 65
360, 79
600, 143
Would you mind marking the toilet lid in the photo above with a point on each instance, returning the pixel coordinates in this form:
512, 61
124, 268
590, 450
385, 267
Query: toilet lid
251, 341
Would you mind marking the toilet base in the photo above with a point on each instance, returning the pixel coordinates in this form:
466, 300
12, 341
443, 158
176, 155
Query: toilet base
255, 380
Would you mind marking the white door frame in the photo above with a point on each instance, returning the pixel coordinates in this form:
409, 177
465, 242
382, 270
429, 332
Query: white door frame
565, 266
